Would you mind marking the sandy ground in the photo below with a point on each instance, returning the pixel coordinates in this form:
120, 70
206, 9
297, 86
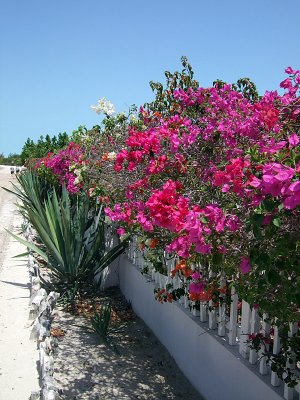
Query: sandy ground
134, 366
18, 355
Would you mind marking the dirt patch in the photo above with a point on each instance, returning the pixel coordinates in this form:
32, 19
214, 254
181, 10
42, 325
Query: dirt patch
134, 366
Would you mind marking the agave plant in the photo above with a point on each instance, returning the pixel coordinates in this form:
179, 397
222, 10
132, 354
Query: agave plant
100, 320
73, 237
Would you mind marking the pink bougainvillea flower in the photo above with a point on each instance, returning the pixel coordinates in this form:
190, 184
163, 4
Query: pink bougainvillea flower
245, 265
292, 202
222, 249
293, 140
286, 84
196, 275
290, 71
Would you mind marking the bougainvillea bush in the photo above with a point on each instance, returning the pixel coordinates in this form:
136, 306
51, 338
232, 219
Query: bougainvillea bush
208, 176
218, 183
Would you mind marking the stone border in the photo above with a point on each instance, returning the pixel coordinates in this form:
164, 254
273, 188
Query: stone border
41, 307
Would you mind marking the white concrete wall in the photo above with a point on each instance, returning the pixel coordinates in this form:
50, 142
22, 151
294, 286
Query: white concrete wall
210, 366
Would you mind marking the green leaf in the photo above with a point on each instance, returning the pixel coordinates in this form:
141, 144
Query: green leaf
257, 219
22, 255
217, 259
31, 246
277, 222
269, 204
273, 277
257, 232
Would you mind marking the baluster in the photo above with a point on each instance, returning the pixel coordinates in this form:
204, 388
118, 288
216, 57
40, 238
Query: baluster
222, 311
203, 311
275, 381
245, 329
153, 274
170, 266
212, 316
162, 281
203, 304
179, 285
156, 280
233, 317
137, 258
195, 312
186, 301
263, 369
254, 329
193, 303
134, 250
141, 259
148, 266
288, 391
130, 250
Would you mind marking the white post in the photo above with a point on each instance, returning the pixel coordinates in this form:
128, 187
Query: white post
186, 301
195, 312
138, 257
233, 317
254, 329
134, 250
263, 369
288, 391
212, 316
203, 311
245, 329
129, 250
158, 279
153, 273
222, 311
275, 381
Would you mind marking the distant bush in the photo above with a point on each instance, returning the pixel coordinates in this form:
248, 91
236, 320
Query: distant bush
11, 159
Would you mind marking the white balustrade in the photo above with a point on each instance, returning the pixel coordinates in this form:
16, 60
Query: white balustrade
212, 316
254, 330
266, 328
232, 334
222, 311
203, 311
275, 381
239, 326
245, 329
195, 310
288, 391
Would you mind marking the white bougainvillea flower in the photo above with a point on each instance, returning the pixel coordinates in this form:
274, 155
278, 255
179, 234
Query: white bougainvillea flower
103, 106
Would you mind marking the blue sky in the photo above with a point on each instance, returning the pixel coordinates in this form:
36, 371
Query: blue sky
58, 57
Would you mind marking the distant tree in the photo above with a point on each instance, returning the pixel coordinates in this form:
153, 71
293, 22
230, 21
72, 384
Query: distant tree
43, 146
28, 150
62, 140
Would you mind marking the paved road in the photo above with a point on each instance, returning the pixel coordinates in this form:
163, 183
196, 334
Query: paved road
18, 355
